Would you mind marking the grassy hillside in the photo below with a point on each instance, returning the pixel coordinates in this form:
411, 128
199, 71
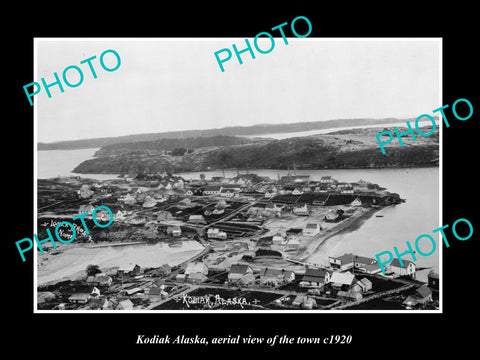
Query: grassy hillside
344, 149
254, 130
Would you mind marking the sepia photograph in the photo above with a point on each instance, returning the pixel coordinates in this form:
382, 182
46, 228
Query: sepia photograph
209, 175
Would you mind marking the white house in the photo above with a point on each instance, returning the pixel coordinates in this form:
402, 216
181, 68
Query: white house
342, 263
197, 267
315, 278
311, 229
301, 209
189, 192
326, 179
270, 194
227, 193
408, 267
214, 233
212, 190
218, 211
347, 190
297, 191
331, 215
275, 277
120, 215
197, 219
174, 230
278, 239
356, 202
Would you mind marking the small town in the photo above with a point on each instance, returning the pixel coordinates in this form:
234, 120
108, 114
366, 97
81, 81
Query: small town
255, 235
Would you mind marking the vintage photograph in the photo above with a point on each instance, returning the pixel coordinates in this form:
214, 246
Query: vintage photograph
260, 188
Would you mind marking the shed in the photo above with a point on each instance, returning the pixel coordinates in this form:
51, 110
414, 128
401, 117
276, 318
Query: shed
129, 269
79, 298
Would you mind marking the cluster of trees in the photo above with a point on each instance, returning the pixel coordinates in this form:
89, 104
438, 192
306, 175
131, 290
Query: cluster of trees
181, 151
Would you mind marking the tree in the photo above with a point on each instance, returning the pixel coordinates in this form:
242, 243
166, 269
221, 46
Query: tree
92, 270
179, 151
202, 176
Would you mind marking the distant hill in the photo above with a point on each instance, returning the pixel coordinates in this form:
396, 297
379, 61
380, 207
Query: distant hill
172, 144
253, 130
344, 149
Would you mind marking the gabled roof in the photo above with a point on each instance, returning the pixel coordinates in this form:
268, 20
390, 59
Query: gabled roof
396, 263
311, 226
314, 275
195, 267
269, 272
212, 188
239, 269
365, 282
424, 291
345, 258
128, 267
345, 278
372, 267
364, 260
126, 304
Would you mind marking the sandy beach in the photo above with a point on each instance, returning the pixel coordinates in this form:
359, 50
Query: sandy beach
73, 259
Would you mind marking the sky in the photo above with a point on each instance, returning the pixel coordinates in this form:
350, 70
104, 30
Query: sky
176, 84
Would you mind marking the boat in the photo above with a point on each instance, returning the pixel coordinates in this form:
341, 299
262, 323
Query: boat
379, 215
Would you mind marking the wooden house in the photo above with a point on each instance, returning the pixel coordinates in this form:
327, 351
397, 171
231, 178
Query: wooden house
300, 209
311, 229
275, 277
129, 270
315, 278
408, 268
238, 271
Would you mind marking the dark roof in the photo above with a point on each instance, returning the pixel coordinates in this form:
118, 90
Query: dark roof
365, 260
396, 263
212, 188
155, 291
314, 275
271, 272
424, 291
345, 258
294, 231
238, 269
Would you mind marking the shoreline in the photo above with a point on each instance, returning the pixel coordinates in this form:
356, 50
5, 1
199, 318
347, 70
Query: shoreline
433, 165
348, 225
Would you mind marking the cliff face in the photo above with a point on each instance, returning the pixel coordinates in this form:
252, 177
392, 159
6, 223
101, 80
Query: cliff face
356, 148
